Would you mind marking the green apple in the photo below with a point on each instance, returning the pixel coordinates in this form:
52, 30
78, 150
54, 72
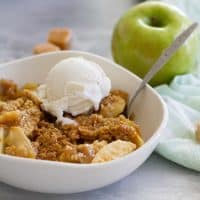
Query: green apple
144, 31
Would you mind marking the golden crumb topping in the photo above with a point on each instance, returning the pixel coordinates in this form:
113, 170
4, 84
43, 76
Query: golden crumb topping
28, 131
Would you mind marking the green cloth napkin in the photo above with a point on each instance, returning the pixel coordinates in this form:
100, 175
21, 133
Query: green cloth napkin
178, 143
182, 97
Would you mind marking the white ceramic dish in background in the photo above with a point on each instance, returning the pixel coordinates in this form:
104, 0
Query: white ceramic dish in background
57, 177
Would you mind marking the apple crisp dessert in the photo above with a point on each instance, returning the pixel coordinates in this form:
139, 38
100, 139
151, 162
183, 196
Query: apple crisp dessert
26, 130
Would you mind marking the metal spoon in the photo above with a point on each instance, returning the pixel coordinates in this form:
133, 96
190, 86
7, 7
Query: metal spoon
162, 60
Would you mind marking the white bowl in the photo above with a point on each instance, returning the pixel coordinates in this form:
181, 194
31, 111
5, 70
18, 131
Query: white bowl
57, 177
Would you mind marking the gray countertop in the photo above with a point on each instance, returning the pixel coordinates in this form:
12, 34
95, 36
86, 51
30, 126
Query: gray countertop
26, 23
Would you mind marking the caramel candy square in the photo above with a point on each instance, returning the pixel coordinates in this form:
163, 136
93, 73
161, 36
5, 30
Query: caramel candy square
45, 48
60, 37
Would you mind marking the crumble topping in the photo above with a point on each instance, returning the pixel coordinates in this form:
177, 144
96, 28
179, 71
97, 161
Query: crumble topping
28, 131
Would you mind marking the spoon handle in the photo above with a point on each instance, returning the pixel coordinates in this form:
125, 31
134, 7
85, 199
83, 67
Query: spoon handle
162, 60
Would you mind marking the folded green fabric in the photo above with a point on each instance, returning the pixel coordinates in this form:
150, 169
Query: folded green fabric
178, 143
182, 97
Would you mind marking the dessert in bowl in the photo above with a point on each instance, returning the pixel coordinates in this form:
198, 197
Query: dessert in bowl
73, 143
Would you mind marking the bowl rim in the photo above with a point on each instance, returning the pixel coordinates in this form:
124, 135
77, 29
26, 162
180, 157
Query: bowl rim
148, 143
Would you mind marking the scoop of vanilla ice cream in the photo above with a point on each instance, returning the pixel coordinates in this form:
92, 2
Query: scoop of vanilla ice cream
74, 85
